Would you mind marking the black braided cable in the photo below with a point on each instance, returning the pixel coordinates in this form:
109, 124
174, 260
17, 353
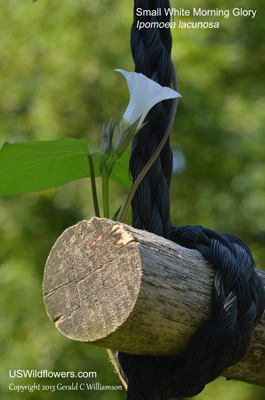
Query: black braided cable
151, 50
238, 294
238, 305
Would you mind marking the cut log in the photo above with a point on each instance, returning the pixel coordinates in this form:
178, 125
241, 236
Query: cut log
111, 285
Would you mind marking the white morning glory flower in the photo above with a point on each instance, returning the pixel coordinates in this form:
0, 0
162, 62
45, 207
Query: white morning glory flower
144, 94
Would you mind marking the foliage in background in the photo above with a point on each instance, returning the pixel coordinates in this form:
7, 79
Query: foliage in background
57, 80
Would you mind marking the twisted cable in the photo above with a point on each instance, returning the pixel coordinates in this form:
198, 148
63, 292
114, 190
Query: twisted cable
238, 294
151, 53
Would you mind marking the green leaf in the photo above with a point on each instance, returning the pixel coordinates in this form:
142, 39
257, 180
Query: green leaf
39, 165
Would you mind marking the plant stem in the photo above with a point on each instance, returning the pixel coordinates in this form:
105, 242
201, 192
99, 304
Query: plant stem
93, 185
156, 153
115, 365
105, 193
106, 170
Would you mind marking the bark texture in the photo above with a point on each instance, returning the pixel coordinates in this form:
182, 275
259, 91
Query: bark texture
114, 286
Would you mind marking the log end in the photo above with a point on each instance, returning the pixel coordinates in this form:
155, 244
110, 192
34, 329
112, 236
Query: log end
87, 293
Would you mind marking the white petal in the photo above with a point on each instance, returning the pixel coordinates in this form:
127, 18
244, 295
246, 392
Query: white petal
138, 89
144, 94
158, 93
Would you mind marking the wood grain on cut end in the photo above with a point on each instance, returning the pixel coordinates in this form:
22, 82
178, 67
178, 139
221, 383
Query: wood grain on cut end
109, 284
91, 280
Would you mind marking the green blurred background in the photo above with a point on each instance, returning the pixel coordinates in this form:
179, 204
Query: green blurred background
56, 78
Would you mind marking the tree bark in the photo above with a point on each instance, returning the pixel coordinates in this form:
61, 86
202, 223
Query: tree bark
112, 285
